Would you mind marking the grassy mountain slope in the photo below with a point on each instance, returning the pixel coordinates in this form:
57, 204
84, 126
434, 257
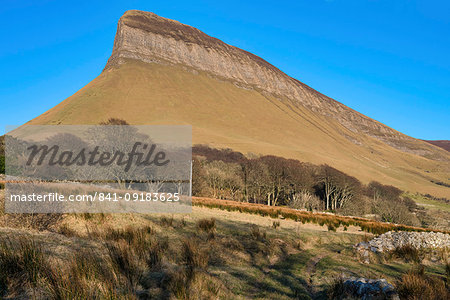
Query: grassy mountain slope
247, 120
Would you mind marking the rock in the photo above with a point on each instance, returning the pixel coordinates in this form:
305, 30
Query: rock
364, 288
391, 240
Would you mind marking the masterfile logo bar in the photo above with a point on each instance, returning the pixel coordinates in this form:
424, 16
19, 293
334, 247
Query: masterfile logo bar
102, 168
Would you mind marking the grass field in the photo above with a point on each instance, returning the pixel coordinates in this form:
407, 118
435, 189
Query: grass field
207, 254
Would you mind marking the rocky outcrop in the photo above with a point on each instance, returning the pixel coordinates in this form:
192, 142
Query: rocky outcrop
149, 38
364, 288
392, 240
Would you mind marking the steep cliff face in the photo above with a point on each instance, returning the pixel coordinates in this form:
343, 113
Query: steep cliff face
147, 37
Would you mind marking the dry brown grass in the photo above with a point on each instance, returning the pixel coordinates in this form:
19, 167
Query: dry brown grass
207, 225
139, 256
417, 285
167, 221
193, 256
408, 253
331, 221
275, 224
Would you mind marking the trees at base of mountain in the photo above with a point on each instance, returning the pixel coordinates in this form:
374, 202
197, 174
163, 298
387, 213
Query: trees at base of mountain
273, 180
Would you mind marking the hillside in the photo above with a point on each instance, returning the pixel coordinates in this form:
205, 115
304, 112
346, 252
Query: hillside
441, 143
165, 72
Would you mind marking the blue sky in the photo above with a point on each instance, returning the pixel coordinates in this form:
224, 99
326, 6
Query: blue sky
386, 59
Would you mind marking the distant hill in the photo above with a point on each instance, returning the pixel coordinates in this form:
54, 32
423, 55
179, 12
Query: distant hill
165, 72
444, 144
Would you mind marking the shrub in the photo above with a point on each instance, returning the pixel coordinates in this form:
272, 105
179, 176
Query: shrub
331, 227
114, 121
306, 217
305, 200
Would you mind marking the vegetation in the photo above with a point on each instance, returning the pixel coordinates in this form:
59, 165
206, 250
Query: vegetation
408, 253
416, 284
276, 181
207, 254
331, 221
131, 257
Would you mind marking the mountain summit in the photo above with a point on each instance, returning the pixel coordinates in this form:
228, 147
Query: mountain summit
150, 38
164, 72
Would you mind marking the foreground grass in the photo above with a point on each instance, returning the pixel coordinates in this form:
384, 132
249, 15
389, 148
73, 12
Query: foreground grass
208, 254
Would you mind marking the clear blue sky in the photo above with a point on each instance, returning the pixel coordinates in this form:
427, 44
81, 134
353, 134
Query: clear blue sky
388, 59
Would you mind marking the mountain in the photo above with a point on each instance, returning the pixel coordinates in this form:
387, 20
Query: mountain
444, 144
165, 72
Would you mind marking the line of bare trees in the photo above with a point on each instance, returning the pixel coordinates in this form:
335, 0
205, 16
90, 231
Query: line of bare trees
272, 180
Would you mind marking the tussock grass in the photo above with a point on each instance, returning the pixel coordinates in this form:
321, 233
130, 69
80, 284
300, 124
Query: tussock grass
207, 225
137, 237
65, 229
257, 233
167, 221
408, 253
416, 284
39, 222
337, 290
22, 262
125, 262
26, 270
87, 276
145, 259
193, 256
275, 224
155, 252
